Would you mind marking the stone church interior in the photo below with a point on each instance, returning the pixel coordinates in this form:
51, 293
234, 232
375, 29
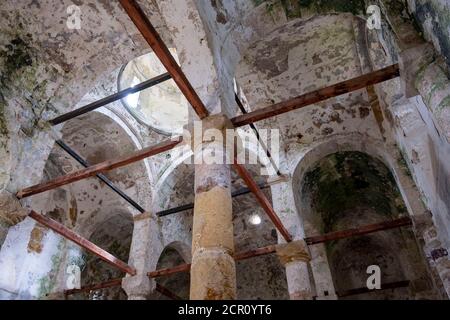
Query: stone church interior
346, 105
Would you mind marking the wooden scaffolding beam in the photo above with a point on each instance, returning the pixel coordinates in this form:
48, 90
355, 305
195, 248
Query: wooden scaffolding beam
99, 168
82, 242
391, 224
101, 176
359, 231
97, 286
384, 286
162, 52
262, 199
116, 283
318, 95
164, 291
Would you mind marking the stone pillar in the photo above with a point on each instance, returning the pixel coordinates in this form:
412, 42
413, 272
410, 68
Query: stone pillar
213, 271
144, 253
295, 257
414, 52
434, 251
11, 213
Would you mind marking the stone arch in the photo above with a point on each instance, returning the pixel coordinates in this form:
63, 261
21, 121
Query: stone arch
174, 254
321, 253
65, 74
301, 159
114, 234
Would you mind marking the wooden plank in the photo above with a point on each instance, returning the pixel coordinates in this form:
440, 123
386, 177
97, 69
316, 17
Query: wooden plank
162, 52
385, 225
82, 242
168, 271
107, 100
167, 292
255, 252
385, 286
103, 285
101, 176
99, 168
405, 221
262, 199
318, 95
238, 256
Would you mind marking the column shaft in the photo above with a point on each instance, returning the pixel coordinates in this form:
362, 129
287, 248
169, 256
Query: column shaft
213, 271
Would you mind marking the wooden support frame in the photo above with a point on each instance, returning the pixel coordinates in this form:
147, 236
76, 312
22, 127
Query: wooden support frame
97, 286
166, 292
359, 231
258, 137
332, 236
82, 242
116, 283
99, 168
318, 95
237, 193
107, 100
162, 52
101, 176
384, 286
262, 199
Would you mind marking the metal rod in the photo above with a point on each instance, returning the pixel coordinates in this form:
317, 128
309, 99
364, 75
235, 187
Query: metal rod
97, 286
167, 292
101, 176
255, 130
385, 225
114, 97
100, 167
262, 199
237, 193
118, 282
385, 286
318, 95
82, 242
162, 52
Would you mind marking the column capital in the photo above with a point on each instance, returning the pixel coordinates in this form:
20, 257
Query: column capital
411, 61
11, 211
293, 251
138, 287
143, 216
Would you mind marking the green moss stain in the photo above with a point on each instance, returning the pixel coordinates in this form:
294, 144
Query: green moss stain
294, 8
403, 163
346, 180
445, 103
48, 282
13, 57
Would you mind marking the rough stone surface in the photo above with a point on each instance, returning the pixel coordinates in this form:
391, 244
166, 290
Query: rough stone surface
374, 140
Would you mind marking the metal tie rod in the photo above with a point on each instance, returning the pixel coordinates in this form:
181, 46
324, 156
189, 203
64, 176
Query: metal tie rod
114, 97
101, 176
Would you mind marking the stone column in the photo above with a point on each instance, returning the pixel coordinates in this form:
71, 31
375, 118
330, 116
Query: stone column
435, 253
295, 257
144, 253
213, 271
11, 213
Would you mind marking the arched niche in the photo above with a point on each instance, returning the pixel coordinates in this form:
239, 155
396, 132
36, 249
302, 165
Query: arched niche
114, 235
350, 189
176, 253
